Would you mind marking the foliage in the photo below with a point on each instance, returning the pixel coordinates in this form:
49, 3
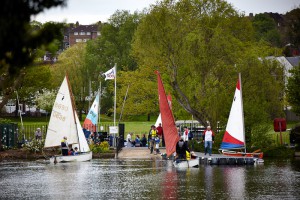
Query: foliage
45, 100
293, 91
199, 47
279, 152
34, 145
19, 41
72, 63
266, 29
103, 147
114, 46
293, 26
260, 139
37, 79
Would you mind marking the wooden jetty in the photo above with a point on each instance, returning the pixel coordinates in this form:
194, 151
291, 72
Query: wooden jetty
219, 159
214, 159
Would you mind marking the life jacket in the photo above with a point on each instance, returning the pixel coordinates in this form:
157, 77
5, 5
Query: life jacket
188, 155
153, 134
63, 144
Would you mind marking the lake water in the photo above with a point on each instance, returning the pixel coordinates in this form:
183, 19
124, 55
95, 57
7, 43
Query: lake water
148, 179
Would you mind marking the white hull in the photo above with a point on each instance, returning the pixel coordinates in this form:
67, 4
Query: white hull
76, 158
187, 163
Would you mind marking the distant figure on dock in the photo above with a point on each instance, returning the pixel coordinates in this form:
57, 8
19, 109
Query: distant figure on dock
137, 141
208, 137
181, 149
160, 133
38, 134
130, 143
144, 141
157, 141
186, 135
151, 138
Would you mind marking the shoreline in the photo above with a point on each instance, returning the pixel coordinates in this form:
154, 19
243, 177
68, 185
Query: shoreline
22, 154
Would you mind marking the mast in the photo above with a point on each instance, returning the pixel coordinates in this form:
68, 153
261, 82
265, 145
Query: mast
73, 106
242, 109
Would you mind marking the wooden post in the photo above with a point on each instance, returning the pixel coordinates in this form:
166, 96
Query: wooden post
280, 133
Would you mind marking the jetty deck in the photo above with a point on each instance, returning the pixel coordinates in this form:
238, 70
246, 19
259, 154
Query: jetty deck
214, 159
139, 153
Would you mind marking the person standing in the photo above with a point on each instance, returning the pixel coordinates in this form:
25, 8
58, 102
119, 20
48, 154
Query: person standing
151, 138
129, 140
208, 137
160, 133
157, 141
186, 135
38, 134
181, 149
144, 141
64, 146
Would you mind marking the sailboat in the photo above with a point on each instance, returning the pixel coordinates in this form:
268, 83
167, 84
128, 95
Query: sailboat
158, 120
91, 119
234, 137
64, 122
169, 127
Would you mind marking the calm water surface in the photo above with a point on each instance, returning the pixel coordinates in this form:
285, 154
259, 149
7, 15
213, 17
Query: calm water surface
140, 179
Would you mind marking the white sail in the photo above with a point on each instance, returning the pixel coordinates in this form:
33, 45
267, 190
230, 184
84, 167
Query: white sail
158, 121
234, 136
83, 147
62, 119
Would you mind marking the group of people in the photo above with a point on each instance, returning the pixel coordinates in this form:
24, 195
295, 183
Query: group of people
155, 137
65, 150
182, 145
137, 142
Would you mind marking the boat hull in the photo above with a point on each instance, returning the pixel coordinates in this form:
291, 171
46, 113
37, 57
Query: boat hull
186, 163
243, 154
75, 158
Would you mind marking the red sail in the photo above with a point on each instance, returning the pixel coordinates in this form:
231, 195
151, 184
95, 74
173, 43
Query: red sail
169, 126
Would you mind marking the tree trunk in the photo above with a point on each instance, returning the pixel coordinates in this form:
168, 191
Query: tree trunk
148, 117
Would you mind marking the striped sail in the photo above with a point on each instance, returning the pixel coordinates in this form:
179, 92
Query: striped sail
234, 136
91, 119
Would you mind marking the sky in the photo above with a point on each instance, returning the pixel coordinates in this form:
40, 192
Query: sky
91, 11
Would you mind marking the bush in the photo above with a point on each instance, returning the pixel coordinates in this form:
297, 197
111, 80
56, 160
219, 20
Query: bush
103, 147
34, 145
260, 137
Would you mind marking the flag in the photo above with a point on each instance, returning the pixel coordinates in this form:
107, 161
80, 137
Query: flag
110, 74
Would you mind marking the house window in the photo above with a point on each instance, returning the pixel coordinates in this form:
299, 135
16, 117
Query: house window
98, 33
88, 33
75, 33
78, 40
85, 40
65, 37
82, 33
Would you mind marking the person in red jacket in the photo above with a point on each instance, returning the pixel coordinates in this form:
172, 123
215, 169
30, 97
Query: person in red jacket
208, 138
160, 134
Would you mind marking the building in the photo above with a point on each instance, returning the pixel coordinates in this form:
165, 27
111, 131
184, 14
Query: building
80, 33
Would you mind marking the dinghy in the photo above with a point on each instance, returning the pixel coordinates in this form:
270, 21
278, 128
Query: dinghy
64, 122
234, 138
169, 128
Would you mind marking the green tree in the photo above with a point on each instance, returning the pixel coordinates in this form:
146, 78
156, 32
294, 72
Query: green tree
72, 63
200, 46
19, 41
266, 29
293, 26
293, 91
114, 46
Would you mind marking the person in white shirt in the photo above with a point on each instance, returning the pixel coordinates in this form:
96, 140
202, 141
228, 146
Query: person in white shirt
208, 137
186, 134
129, 141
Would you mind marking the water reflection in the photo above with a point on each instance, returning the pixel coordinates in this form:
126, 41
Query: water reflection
148, 179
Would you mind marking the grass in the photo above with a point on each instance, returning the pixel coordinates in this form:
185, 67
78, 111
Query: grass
285, 134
